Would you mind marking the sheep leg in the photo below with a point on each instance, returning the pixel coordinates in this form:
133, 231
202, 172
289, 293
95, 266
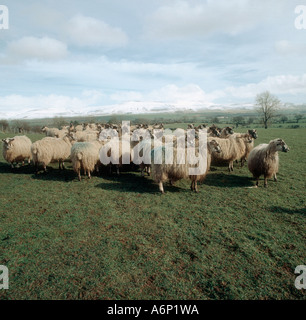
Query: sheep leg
45, 168
63, 166
196, 186
231, 166
161, 187
118, 170
149, 171
88, 172
79, 174
257, 180
12, 165
22, 163
266, 182
275, 177
242, 162
192, 185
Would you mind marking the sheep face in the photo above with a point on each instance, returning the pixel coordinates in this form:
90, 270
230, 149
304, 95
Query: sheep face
229, 130
215, 147
253, 133
281, 146
8, 143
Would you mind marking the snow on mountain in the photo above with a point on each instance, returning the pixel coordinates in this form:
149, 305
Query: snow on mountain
130, 107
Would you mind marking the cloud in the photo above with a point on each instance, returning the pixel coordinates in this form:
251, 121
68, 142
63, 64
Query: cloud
181, 19
285, 47
44, 48
90, 32
281, 85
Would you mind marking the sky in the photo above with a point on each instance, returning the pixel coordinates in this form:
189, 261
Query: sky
106, 56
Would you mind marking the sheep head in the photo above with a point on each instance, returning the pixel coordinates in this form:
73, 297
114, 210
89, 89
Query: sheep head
8, 143
214, 146
281, 145
253, 133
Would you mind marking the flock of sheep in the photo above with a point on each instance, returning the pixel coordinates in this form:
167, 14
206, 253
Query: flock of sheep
81, 145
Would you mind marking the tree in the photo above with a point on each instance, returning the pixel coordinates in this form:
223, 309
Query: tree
266, 106
238, 120
21, 126
4, 125
215, 120
298, 117
250, 120
283, 119
58, 122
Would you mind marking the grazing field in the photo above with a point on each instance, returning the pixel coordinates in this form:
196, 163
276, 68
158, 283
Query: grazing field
118, 238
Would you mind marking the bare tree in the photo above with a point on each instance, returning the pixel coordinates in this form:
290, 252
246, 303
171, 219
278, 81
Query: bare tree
267, 105
4, 125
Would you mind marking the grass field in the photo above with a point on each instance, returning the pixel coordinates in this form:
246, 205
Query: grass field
118, 238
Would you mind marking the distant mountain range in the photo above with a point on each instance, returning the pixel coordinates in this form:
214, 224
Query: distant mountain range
135, 107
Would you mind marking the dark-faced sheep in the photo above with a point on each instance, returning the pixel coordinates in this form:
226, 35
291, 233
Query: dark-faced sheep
263, 160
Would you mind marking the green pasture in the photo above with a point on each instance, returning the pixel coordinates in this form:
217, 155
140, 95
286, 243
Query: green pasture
117, 237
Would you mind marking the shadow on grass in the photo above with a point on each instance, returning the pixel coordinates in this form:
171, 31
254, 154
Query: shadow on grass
6, 168
129, 182
229, 180
277, 209
53, 174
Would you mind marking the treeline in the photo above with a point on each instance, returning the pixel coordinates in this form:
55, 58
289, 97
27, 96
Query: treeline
35, 126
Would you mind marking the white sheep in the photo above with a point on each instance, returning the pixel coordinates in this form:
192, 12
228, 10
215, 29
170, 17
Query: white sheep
233, 148
85, 136
86, 156
50, 132
17, 149
178, 170
263, 160
49, 150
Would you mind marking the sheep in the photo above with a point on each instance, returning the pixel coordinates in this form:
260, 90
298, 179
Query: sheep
49, 150
176, 171
116, 150
17, 149
233, 148
226, 132
263, 160
78, 127
249, 145
50, 132
85, 136
213, 131
86, 156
